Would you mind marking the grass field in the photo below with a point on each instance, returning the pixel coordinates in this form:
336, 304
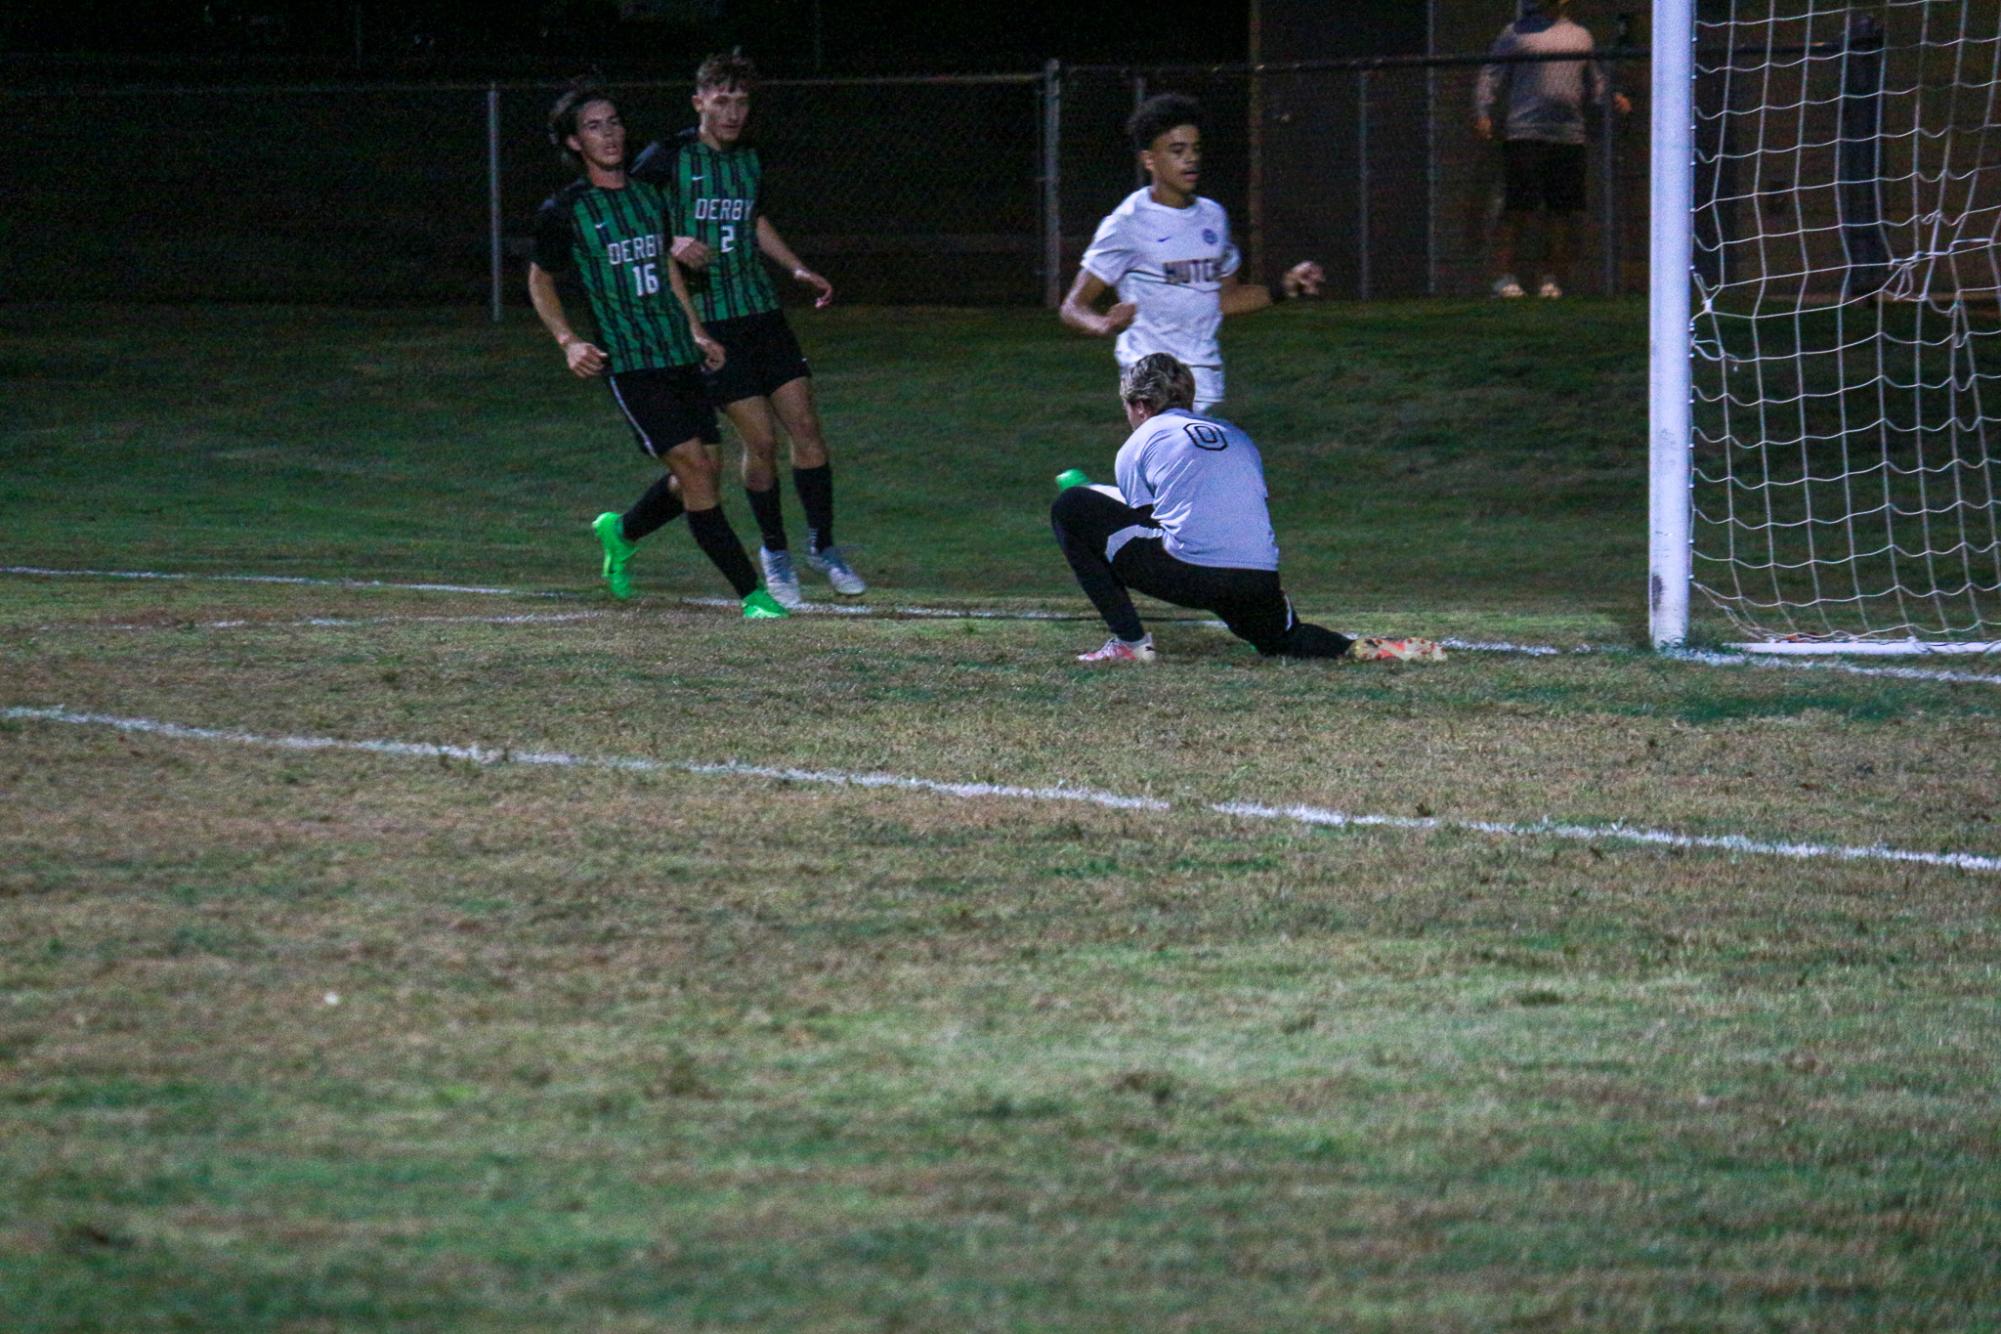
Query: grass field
517, 959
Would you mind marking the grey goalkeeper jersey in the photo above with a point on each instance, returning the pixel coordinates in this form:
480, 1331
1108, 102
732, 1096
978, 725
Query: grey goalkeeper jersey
1206, 483
1545, 98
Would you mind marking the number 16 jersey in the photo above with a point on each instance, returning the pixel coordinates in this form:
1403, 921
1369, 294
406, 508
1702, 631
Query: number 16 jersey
616, 240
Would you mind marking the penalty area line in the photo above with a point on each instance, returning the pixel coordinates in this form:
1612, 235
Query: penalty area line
1310, 816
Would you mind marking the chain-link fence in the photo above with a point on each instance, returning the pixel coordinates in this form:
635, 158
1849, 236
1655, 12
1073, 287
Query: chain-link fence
963, 190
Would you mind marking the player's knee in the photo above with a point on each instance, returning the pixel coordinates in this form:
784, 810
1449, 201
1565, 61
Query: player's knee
695, 468
760, 467
808, 451
1070, 506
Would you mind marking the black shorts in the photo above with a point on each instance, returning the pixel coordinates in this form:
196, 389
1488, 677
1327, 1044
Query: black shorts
761, 355
1542, 175
664, 406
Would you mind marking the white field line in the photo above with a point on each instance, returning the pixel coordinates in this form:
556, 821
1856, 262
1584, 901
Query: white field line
560, 760
1297, 814
524, 618
1965, 861
306, 580
1846, 668
948, 613
996, 614
1874, 648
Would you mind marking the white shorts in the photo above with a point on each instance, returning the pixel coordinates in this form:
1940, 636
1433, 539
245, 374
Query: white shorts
1208, 387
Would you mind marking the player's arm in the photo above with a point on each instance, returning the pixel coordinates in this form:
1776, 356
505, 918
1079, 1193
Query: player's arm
1601, 85
712, 351
585, 360
1080, 307
773, 247
690, 252
1488, 85
655, 166
1302, 279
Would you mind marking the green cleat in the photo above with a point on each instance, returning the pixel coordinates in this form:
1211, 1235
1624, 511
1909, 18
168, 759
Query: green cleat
759, 605
1070, 477
617, 551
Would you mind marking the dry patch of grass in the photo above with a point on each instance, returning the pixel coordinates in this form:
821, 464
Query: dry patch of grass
326, 1039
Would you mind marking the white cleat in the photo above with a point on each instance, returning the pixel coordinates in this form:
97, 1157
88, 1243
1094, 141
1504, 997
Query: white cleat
830, 562
780, 579
1506, 286
1549, 291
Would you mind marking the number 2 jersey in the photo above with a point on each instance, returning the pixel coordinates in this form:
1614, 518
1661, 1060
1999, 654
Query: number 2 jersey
1170, 263
1206, 483
715, 200
617, 241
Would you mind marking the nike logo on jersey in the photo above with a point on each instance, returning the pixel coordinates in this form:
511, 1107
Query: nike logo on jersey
1162, 240
696, 176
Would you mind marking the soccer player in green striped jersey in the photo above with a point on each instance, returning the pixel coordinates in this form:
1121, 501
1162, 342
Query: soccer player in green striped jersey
722, 235
613, 231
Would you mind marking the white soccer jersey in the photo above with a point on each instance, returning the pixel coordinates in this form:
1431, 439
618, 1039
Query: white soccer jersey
1206, 483
1170, 263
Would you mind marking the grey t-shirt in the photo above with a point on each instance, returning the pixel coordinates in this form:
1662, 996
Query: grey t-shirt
1545, 98
1206, 483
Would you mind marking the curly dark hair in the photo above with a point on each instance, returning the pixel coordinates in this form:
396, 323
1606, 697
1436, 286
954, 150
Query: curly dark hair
1157, 115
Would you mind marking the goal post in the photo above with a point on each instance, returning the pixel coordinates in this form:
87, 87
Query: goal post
1670, 245
1825, 325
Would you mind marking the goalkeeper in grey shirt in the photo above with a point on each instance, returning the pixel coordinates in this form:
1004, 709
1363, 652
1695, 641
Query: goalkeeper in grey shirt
1542, 160
1187, 524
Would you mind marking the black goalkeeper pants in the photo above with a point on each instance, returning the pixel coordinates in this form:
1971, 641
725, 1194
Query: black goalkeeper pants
1116, 550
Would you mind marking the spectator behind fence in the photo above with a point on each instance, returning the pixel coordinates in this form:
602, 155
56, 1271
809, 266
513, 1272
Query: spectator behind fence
1543, 150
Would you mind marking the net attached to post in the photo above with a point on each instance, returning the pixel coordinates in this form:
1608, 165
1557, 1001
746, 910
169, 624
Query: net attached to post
1846, 342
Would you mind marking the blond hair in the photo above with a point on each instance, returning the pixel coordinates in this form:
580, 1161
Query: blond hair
1158, 382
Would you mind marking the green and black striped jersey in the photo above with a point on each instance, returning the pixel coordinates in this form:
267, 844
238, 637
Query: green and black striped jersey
715, 198
617, 240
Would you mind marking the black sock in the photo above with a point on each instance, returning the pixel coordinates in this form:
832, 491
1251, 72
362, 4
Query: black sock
1313, 641
816, 497
718, 542
653, 511
770, 518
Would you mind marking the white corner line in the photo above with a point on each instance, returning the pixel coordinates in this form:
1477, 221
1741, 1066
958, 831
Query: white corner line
1296, 814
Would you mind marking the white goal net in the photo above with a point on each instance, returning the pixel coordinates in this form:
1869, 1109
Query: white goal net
1844, 392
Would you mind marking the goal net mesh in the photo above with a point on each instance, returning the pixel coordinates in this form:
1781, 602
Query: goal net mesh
1846, 347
